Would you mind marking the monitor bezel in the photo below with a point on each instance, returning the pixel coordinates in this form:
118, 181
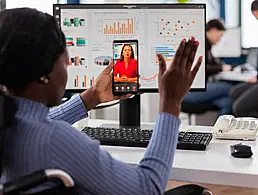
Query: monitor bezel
136, 6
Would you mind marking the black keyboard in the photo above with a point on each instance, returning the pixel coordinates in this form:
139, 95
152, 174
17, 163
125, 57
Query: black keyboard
132, 137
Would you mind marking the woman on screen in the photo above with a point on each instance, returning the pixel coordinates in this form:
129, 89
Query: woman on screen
126, 68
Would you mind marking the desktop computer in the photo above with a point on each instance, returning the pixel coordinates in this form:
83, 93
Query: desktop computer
91, 28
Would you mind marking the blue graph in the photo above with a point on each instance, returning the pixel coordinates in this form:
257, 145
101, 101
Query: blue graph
166, 51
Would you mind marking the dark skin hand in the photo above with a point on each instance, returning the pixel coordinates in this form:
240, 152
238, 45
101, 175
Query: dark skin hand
180, 75
101, 91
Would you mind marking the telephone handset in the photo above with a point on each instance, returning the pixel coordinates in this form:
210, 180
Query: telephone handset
229, 127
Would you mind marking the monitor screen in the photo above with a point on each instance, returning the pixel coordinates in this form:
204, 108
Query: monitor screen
90, 30
249, 26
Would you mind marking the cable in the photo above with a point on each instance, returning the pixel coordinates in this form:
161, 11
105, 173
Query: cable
106, 106
112, 104
67, 98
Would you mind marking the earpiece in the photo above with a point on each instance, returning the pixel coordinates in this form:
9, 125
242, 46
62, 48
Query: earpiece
44, 79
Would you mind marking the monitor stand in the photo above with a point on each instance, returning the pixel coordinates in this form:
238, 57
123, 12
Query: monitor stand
129, 114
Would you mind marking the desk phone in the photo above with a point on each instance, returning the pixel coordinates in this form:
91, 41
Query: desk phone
229, 127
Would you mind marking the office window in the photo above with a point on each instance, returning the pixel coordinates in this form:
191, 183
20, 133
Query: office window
41, 5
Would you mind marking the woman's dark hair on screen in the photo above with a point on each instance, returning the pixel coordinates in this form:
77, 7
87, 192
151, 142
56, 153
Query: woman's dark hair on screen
122, 50
215, 23
254, 6
30, 44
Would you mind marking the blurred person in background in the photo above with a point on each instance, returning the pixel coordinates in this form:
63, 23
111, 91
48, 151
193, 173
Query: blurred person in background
245, 95
217, 93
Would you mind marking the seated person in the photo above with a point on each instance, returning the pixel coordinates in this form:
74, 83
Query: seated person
245, 95
126, 68
33, 71
217, 93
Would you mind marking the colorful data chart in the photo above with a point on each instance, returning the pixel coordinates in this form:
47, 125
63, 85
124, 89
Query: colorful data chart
69, 41
166, 51
80, 42
172, 27
76, 61
81, 81
102, 60
118, 27
76, 22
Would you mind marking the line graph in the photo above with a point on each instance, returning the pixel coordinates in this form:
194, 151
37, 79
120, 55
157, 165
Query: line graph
149, 80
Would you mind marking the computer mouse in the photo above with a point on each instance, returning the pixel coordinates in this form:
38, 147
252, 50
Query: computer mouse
241, 151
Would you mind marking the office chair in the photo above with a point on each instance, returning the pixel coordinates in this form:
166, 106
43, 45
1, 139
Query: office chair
189, 189
22, 184
28, 182
194, 109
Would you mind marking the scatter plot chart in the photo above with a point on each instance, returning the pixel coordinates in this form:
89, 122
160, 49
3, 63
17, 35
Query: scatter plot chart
169, 26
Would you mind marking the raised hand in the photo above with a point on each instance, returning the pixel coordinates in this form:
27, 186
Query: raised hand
176, 80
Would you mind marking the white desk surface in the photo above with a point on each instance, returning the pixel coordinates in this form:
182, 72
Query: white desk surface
213, 166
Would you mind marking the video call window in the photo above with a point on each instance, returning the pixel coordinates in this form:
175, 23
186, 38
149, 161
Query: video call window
126, 66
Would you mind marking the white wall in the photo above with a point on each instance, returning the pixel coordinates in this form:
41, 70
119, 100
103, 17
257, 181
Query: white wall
232, 13
41, 5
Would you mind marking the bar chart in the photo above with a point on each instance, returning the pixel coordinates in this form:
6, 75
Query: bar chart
166, 51
82, 82
76, 81
118, 27
92, 81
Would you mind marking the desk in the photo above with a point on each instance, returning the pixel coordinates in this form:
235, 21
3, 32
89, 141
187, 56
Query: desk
234, 76
213, 166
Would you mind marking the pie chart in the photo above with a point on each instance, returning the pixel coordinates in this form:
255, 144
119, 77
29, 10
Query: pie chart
102, 60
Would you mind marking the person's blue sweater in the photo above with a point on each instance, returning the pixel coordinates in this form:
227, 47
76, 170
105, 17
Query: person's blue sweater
40, 139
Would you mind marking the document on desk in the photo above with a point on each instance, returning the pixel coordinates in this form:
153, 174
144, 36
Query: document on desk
235, 76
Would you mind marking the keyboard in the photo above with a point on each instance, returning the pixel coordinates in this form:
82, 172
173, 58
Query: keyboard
132, 137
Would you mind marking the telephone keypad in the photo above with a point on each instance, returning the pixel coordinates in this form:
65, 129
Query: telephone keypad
252, 125
249, 125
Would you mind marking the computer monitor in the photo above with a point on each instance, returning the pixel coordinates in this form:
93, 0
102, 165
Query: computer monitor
249, 26
229, 45
91, 28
